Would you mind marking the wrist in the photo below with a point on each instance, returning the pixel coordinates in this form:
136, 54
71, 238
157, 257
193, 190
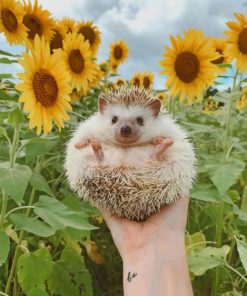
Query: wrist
165, 249
157, 270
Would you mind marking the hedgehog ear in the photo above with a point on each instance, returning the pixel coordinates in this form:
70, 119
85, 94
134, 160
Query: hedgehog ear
102, 103
155, 107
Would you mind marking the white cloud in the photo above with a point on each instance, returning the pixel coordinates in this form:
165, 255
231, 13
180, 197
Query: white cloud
146, 25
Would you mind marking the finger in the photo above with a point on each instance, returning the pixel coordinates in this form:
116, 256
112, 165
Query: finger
161, 148
157, 141
176, 212
82, 144
98, 150
109, 218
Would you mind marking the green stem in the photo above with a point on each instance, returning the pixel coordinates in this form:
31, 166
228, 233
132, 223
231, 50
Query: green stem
12, 154
228, 118
226, 150
16, 254
1, 293
170, 104
232, 246
237, 272
14, 146
18, 208
22, 232
12, 270
4, 208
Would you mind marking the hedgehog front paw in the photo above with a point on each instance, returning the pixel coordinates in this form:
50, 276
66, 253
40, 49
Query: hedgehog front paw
82, 144
161, 145
98, 150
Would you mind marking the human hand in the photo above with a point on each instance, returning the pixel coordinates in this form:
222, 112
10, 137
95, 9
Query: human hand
159, 231
153, 251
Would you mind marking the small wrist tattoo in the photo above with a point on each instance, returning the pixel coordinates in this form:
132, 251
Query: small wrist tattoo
131, 276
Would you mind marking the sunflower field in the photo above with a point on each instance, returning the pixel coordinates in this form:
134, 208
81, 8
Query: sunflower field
53, 244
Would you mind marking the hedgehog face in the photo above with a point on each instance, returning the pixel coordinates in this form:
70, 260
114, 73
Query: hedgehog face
128, 126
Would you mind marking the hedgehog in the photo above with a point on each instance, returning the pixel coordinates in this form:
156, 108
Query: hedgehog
131, 157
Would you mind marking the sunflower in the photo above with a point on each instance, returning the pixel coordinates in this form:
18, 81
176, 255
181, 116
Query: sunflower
242, 102
76, 95
45, 86
68, 23
147, 80
98, 76
91, 34
219, 45
77, 57
188, 65
38, 21
113, 68
104, 67
237, 40
118, 52
11, 14
57, 39
163, 98
120, 82
136, 80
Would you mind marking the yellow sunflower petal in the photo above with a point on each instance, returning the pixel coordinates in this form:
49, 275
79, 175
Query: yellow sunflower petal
42, 90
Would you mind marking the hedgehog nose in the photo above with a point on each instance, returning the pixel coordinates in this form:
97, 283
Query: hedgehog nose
126, 130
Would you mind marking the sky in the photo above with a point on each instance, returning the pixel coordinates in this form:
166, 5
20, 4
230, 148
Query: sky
145, 25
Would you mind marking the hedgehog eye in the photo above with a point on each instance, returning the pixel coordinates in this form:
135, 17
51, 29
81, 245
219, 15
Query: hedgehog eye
139, 120
114, 119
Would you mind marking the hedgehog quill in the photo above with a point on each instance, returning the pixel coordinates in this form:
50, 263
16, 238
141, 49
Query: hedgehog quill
130, 157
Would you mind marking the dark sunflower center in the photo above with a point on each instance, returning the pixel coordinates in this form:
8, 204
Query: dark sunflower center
242, 41
9, 20
69, 30
137, 82
88, 34
118, 52
45, 88
146, 82
187, 66
219, 60
57, 41
120, 82
33, 23
76, 61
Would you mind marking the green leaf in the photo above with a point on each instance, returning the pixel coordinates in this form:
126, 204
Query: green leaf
6, 53
31, 225
227, 174
3, 132
37, 292
242, 215
242, 251
59, 216
205, 192
2, 76
39, 146
194, 242
33, 269
7, 97
229, 66
15, 117
207, 258
200, 128
70, 276
7, 61
40, 183
232, 293
15, 180
4, 247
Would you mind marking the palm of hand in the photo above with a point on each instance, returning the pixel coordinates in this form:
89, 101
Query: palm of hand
130, 236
